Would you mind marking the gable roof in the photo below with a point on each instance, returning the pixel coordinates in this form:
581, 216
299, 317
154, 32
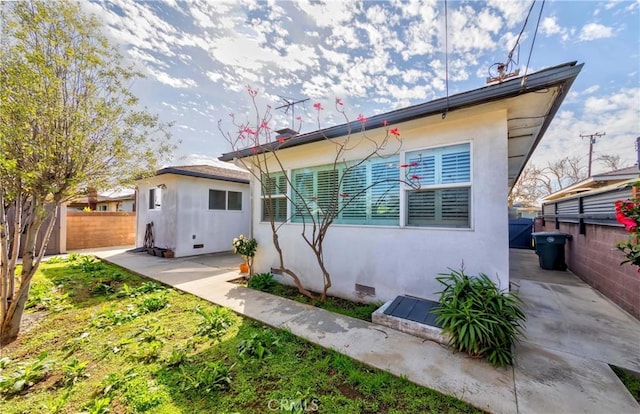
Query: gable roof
208, 171
527, 120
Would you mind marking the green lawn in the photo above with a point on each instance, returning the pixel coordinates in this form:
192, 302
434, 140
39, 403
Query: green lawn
104, 340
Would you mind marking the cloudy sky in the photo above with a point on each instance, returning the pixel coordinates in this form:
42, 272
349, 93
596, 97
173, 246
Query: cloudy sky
199, 56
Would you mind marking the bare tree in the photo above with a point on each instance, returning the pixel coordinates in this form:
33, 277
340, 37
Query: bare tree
317, 212
529, 188
611, 162
534, 183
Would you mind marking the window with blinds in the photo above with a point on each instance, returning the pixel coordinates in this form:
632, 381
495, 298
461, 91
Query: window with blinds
444, 197
274, 197
367, 194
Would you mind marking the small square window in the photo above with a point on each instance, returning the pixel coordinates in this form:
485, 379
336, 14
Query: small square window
217, 199
234, 200
154, 198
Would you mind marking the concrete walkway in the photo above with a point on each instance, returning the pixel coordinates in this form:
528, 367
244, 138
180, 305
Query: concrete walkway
561, 367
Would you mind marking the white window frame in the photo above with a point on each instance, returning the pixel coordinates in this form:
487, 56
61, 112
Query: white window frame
274, 196
438, 185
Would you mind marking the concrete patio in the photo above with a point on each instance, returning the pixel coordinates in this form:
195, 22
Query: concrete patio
572, 334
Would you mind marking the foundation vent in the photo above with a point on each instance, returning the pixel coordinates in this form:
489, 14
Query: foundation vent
365, 290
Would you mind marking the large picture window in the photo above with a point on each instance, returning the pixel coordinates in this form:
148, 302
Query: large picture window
368, 194
274, 197
444, 197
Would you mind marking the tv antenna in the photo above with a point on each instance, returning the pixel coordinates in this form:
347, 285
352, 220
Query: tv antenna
290, 104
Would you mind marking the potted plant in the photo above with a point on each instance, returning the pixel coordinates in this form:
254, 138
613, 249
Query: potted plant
245, 247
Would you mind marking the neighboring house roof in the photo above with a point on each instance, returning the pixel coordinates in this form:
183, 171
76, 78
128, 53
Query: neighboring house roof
208, 171
528, 119
131, 196
596, 182
85, 199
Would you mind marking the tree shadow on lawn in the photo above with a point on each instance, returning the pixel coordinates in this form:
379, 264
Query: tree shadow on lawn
85, 283
291, 374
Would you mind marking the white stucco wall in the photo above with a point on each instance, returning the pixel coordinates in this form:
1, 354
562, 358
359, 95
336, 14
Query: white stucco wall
215, 229
165, 218
402, 260
184, 219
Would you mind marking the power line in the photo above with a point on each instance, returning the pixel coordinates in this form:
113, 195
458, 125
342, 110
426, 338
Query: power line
592, 140
446, 56
533, 42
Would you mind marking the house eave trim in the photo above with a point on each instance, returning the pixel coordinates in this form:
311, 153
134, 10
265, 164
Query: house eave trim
563, 75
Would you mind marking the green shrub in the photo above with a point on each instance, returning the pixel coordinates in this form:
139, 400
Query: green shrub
262, 281
203, 378
215, 322
25, 374
481, 320
74, 372
259, 345
153, 302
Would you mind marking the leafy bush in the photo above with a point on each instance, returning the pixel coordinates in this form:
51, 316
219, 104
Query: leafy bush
153, 303
25, 374
482, 320
143, 289
98, 406
74, 372
87, 264
262, 281
113, 317
215, 322
102, 288
259, 345
204, 378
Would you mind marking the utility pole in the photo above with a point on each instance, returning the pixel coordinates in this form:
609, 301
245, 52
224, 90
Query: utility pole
592, 140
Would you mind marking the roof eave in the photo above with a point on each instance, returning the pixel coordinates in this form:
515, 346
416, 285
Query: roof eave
170, 170
563, 75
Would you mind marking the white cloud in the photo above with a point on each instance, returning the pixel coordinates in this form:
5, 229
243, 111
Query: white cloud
167, 79
513, 12
592, 31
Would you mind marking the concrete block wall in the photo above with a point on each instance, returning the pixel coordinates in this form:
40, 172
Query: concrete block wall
593, 258
87, 230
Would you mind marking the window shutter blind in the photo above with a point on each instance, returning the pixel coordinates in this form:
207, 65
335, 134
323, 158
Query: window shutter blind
426, 168
422, 208
456, 167
385, 193
354, 198
454, 207
327, 187
303, 183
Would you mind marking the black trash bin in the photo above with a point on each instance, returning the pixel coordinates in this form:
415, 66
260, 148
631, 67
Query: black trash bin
550, 249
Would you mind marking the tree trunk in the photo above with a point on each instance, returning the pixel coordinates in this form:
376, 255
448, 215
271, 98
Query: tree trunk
11, 323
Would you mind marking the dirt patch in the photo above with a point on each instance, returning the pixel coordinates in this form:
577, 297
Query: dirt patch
30, 320
350, 392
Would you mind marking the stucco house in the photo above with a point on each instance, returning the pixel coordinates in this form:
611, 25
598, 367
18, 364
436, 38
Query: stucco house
468, 150
195, 209
125, 202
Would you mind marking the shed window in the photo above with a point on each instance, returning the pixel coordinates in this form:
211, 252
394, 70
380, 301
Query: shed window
155, 198
234, 200
217, 199
444, 197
